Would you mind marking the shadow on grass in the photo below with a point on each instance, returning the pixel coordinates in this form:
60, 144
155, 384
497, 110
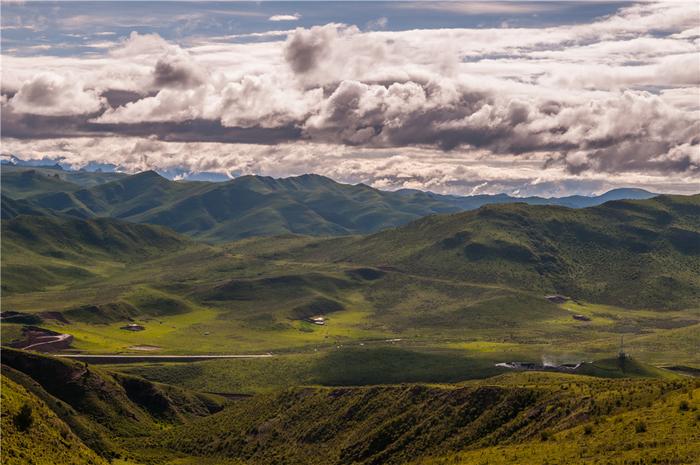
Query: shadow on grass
354, 367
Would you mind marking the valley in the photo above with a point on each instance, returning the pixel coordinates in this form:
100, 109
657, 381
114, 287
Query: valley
431, 309
349, 233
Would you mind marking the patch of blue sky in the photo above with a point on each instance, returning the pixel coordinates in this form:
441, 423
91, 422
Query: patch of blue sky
68, 28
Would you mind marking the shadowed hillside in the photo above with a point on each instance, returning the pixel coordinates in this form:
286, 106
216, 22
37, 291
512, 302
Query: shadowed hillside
98, 406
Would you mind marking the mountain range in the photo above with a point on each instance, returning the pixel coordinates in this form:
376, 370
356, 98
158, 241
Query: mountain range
245, 206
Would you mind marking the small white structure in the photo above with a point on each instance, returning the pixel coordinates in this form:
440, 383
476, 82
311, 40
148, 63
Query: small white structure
318, 320
133, 327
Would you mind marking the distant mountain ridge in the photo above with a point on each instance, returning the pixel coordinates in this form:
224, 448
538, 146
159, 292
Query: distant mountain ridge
472, 202
246, 206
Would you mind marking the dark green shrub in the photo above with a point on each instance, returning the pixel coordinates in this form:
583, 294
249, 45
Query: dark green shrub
23, 420
640, 427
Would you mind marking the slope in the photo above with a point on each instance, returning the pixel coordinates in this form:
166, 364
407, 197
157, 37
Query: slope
100, 407
641, 253
42, 250
37, 435
400, 424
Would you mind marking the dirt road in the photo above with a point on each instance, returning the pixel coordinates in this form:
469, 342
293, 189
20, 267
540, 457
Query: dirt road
95, 358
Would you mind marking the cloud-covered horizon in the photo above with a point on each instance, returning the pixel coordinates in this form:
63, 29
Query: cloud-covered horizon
547, 110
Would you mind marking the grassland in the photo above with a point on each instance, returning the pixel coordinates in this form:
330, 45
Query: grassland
662, 431
416, 318
517, 418
43, 438
386, 321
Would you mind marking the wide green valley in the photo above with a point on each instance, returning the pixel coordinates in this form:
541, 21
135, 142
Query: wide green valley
511, 333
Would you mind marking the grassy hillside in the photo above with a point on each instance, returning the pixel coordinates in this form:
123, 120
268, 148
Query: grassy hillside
399, 424
664, 430
40, 250
20, 182
513, 418
33, 433
628, 253
100, 407
420, 284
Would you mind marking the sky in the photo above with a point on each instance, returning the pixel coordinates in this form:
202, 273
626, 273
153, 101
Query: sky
527, 98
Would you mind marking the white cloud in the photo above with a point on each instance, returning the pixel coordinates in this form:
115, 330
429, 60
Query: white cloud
55, 95
615, 96
379, 23
294, 17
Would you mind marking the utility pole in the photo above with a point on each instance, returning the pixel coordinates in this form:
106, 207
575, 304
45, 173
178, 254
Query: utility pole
622, 354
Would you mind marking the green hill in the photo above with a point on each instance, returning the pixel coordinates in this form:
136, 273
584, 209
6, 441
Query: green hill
20, 182
42, 439
43, 250
642, 254
100, 407
472, 202
411, 423
245, 206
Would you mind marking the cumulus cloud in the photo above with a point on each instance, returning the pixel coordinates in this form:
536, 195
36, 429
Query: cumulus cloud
177, 71
306, 47
55, 95
616, 96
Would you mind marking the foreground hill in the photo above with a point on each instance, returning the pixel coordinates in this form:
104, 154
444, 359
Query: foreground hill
245, 206
42, 438
642, 253
94, 405
411, 423
82, 414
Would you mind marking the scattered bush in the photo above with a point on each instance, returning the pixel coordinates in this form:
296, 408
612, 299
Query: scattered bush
640, 427
683, 406
588, 430
23, 420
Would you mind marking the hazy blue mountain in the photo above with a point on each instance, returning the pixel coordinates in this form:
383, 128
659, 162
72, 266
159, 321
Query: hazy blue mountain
472, 202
